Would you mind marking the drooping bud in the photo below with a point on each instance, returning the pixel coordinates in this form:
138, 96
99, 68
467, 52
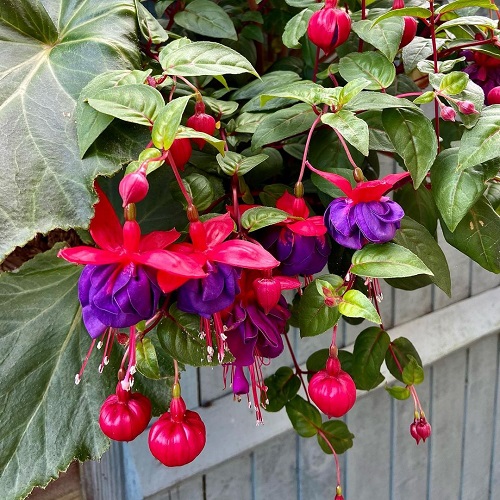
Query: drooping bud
413, 431
202, 122
448, 113
178, 436
181, 152
494, 96
133, 187
329, 27
332, 390
409, 31
466, 107
423, 428
124, 415
267, 292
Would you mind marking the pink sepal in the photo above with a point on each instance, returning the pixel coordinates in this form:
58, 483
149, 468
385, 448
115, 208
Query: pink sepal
88, 255
341, 182
240, 253
171, 262
293, 205
287, 283
169, 282
158, 239
218, 229
313, 226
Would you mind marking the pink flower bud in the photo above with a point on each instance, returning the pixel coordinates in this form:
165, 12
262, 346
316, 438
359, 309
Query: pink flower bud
409, 31
448, 113
267, 292
329, 27
413, 431
494, 96
423, 428
124, 415
466, 107
133, 187
178, 436
332, 390
201, 122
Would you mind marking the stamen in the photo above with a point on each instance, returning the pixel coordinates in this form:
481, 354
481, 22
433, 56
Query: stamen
79, 375
99, 344
77, 379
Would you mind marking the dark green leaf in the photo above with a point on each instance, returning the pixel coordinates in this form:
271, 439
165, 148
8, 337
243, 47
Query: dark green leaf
356, 304
147, 361
370, 65
387, 261
259, 217
267, 83
398, 392
150, 28
281, 387
305, 417
199, 188
478, 235
418, 50
403, 350
377, 101
234, 163
419, 205
369, 351
413, 373
414, 139
353, 129
337, 434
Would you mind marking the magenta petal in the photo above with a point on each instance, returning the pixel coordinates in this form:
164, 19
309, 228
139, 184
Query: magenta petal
158, 240
88, 255
240, 253
172, 263
218, 229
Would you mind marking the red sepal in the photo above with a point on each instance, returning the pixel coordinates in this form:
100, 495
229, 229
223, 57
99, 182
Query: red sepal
105, 227
293, 205
313, 226
240, 253
171, 262
88, 255
169, 282
218, 229
288, 283
341, 182
158, 239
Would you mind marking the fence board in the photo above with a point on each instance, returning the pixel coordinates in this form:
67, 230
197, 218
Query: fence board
495, 456
230, 480
192, 489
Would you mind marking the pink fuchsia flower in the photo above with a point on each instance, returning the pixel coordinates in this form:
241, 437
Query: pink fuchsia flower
299, 242
364, 215
118, 286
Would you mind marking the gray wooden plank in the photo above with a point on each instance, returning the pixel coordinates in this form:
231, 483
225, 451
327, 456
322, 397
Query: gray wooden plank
192, 489
409, 461
479, 418
189, 384
367, 462
495, 456
409, 305
230, 480
482, 280
275, 468
449, 375
212, 384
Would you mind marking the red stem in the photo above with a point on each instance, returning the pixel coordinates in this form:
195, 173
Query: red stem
298, 371
178, 178
306, 148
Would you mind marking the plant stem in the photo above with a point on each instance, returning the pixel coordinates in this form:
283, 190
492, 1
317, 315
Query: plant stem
346, 149
298, 371
337, 465
306, 148
436, 68
178, 178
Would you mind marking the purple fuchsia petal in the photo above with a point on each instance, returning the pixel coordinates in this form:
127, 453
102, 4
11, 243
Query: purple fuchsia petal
240, 382
341, 225
370, 219
241, 336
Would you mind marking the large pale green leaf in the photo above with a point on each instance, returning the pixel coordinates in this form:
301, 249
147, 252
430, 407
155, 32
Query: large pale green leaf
413, 138
365, 101
268, 82
206, 18
384, 36
370, 65
45, 61
46, 420
478, 235
356, 304
296, 28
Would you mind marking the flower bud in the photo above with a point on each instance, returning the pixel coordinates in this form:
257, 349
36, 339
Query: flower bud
423, 428
201, 122
124, 415
181, 152
466, 107
413, 431
133, 187
267, 292
329, 27
409, 31
494, 96
448, 113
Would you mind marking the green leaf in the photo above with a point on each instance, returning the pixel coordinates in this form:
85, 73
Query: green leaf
167, 123
189, 133
351, 90
369, 352
44, 68
282, 386
283, 124
427, 66
419, 12
315, 316
481, 143
204, 58
43, 345
259, 217
253, 32
305, 418
150, 28
296, 28
387, 261
247, 123
337, 434
356, 304
305, 91
179, 335
206, 18
425, 98
414, 139
417, 50
268, 82
453, 83
462, 4
352, 129
147, 361
199, 188
370, 65
234, 163
134, 103
221, 108
398, 392
365, 101
456, 191
476, 21
403, 350
413, 373
478, 235
416, 238
385, 36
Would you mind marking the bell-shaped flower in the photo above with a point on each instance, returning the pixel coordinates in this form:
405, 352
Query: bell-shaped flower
364, 215
299, 242
118, 287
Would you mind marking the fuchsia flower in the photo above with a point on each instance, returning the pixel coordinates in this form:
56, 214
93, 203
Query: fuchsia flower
364, 215
300, 242
484, 71
118, 286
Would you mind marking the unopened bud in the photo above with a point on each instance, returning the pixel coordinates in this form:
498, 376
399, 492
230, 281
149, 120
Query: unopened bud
448, 113
267, 292
414, 433
329, 27
494, 96
133, 187
423, 428
466, 107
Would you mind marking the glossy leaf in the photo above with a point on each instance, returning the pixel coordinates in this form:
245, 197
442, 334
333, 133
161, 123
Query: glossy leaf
453, 83
282, 386
370, 65
403, 350
356, 304
413, 373
398, 392
204, 58
476, 21
417, 50
268, 82
387, 261
147, 361
206, 18
234, 163
46, 61
463, 4
337, 434
166, 125
352, 129
305, 417
296, 28
369, 352
478, 235
384, 36
365, 101
418, 12
189, 133
259, 217
414, 139
150, 28
199, 188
